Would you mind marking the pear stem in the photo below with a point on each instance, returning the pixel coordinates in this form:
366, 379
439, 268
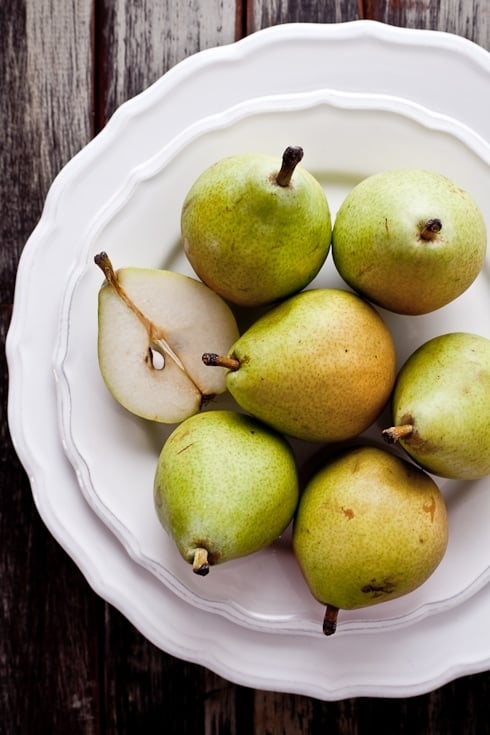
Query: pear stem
104, 263
330, 620
200, 563
395, 433
290, 159
211, 358
431, 229
156, 338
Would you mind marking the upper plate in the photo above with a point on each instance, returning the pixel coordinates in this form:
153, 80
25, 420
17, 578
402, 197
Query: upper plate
141, 226
447, 74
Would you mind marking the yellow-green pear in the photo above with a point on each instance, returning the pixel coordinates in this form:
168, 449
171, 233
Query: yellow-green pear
319, 367
225, 486
409, 240
369, 527
441, 406
255, 228
152, 327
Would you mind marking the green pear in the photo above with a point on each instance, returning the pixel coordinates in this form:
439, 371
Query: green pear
441, 406
152, 327
369, 527
255, 229
409, 240
225, 487
320, 366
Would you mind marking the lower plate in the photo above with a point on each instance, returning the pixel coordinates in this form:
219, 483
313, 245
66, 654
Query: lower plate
284, 59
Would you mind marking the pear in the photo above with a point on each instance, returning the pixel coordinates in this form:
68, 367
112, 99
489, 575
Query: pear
225, 487
441, 406
152, 327
320, 366
255, 229
409, 240
369, 527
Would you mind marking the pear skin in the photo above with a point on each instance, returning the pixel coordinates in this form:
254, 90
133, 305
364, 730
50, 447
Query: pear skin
409, 240
319, 367
369, 527
256, 229
441, 406
225, 486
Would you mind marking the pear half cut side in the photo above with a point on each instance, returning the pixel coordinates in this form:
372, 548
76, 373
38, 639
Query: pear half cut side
152, 327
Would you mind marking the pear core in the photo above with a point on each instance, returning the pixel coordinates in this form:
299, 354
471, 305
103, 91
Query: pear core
152, 326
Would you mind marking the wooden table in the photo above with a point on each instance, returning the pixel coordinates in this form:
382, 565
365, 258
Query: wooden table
69, 662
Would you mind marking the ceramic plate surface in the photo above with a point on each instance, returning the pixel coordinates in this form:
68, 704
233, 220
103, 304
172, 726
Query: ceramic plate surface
115, 455
443, 72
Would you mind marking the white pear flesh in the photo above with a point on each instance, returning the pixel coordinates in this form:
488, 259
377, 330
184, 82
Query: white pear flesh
153, 368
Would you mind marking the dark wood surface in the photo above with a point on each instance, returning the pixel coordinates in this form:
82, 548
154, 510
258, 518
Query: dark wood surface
69, 662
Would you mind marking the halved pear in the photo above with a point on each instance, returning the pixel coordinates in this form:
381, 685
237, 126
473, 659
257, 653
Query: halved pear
153, 326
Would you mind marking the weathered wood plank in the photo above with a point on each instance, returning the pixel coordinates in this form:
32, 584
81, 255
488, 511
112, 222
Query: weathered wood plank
280, 713
58, 78
265, 13
145, 690
138, 42
46, 94
49, 617
49, 621
468, 18
228, 708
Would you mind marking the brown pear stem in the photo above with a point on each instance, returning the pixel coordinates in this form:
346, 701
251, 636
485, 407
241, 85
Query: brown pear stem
200, 563
104, 263
290, 159
330, 619
394, 433
211, 358
157, 340
431, 229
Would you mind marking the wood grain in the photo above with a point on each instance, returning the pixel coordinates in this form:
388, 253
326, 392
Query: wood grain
265, 13
69, 662
138, 42
49, 619
467, 18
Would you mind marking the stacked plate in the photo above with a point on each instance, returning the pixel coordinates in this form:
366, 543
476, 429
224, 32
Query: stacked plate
91, 464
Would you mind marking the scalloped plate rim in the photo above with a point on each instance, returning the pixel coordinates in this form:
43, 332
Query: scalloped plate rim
39, 467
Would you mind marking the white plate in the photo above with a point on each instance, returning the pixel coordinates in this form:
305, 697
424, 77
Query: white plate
141, 226
408, 63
